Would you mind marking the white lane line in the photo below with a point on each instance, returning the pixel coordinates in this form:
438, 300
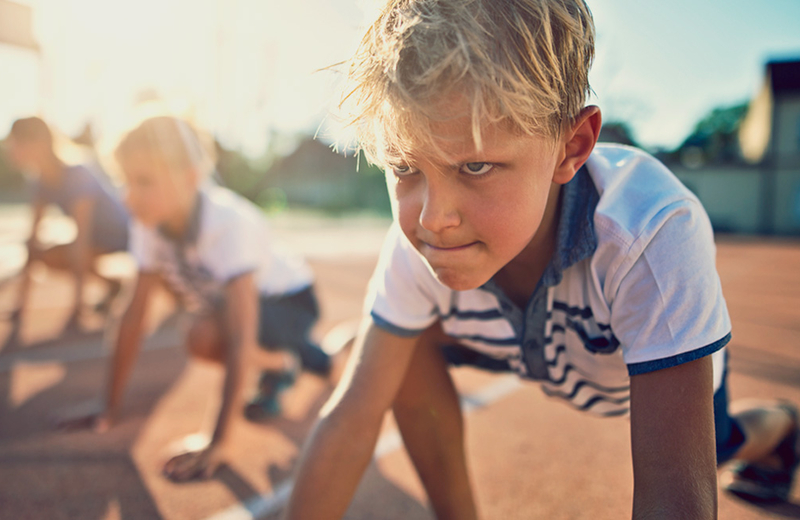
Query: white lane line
261, 506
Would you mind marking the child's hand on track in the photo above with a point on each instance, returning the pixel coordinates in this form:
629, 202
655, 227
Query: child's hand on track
195, 459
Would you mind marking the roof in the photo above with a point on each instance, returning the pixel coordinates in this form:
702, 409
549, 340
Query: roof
784, 75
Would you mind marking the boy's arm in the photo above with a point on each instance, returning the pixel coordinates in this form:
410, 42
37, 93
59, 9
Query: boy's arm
38, 206
239, 332
127, 340
80, 250
342, 442
126, 337
672, 442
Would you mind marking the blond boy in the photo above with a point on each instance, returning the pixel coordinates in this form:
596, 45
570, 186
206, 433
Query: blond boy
249, 302
520, 246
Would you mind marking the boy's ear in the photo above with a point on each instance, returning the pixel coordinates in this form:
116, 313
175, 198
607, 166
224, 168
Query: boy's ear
577, 143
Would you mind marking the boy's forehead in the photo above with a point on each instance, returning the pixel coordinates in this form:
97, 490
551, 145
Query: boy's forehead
455, 140
141, 163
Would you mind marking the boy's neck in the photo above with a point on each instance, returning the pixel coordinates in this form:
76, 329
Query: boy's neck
51, 169
177, 228
518, 279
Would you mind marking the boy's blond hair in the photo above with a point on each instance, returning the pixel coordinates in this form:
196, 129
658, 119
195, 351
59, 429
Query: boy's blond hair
522, 62
172, 142
32, 129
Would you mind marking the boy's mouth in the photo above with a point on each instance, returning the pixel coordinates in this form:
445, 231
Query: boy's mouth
449, 248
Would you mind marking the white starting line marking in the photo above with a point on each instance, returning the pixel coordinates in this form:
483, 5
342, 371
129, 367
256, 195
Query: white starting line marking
261, 506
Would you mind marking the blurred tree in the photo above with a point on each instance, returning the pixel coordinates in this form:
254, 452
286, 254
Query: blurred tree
617, 132
237, 172
12, 182
714, 139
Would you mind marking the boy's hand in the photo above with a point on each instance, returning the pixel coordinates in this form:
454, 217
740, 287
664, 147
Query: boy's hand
91, 415
196, 459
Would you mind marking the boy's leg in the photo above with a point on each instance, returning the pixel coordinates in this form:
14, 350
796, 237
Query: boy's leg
58, 257
285, 322
761, 438
429, 417
765, 424
204, 343
204, 339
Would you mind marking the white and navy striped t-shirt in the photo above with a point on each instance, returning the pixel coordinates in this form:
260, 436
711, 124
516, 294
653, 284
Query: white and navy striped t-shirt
228, 236
631, 288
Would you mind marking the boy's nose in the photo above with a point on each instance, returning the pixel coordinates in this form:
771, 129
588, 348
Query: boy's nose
439, 208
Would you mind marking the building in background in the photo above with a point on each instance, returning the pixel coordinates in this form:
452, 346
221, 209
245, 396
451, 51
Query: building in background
758, 192
314, 176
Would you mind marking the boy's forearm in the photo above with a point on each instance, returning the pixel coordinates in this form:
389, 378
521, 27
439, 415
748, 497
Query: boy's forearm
232, 392
334, 459
127, 339
665, 508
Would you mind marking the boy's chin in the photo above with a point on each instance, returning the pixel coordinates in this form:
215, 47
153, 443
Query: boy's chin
460, 281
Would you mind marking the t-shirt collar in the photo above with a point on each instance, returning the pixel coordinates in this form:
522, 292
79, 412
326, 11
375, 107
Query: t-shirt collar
575, 238
193, 228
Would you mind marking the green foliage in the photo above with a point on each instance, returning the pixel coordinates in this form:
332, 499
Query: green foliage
237, 172
715, 137
11, 179
722, 120
617, 132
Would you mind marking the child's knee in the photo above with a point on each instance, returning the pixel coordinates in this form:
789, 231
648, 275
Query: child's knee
204, 341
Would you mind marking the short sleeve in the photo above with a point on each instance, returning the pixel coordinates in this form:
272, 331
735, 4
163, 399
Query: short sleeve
143, 245
399, 296
236, 247
81, 184
669, 308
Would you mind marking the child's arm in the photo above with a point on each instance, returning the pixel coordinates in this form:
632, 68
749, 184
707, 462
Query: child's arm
239, 332
127, 339
80, 250
341, 444
672, 442
32, 244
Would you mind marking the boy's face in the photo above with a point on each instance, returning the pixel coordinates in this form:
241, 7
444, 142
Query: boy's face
23, 154
155, 195
471, 213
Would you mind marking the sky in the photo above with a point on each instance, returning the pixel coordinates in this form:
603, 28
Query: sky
248, 69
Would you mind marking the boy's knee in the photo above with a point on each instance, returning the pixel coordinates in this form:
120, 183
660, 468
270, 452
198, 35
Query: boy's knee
204, 342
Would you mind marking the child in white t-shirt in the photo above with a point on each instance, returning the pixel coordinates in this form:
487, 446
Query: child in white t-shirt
249, 300
520, 246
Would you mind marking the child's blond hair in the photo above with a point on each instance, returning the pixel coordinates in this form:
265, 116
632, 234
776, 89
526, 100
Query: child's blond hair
523, 62
171, 141
32, 129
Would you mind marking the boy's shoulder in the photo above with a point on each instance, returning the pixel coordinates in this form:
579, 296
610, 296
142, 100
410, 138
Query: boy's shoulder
225, 209
636, 192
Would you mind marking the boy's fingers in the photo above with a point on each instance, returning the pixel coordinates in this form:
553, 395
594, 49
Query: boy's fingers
186, 466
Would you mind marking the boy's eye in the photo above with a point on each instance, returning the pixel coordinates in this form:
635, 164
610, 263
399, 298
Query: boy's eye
476, 168
402, 170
